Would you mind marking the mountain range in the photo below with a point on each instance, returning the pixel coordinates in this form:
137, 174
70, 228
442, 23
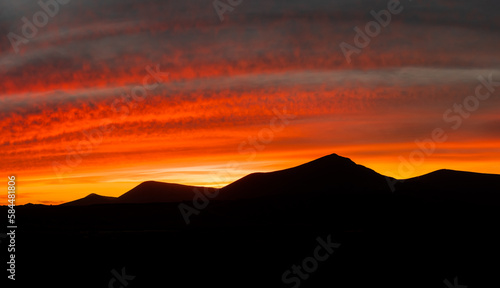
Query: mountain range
414, 232
330, 175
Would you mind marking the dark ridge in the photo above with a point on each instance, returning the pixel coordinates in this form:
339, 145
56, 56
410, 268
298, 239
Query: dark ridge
154, 192
91, 199
444, 185
331, 174
328, 176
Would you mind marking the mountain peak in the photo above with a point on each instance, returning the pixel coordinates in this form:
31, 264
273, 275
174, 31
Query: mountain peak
149, 184
335, 157
153, 191
329, 161
91, 199
331, 174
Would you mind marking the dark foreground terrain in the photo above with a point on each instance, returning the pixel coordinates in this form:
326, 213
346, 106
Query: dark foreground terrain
417, 236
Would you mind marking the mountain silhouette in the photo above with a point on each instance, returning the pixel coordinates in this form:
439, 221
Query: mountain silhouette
152, 191
443, 185
388, 229
146, 192
331, 175
91, 199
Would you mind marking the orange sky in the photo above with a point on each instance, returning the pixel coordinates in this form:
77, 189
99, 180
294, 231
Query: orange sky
212, 117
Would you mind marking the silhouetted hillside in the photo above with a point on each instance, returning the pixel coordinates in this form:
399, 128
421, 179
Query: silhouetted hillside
92, 199
449, 185
431, 229
152, 191
328, 176
146, 192
331, 174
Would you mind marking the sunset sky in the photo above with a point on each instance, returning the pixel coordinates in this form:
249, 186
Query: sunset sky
209, 116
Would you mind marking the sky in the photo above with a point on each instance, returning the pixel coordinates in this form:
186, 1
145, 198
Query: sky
102, 95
